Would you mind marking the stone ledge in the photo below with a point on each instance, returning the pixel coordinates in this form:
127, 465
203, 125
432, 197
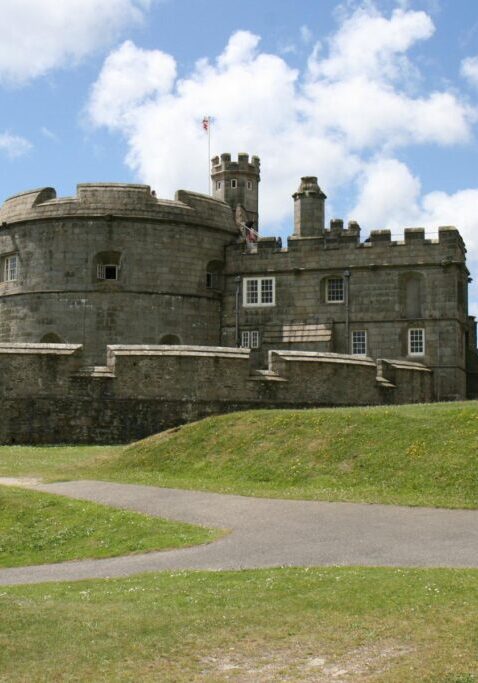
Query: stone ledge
41, 349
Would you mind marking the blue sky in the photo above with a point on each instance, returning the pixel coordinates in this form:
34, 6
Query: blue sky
378, 99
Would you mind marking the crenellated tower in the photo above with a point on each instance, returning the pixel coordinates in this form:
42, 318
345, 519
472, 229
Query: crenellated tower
237, 183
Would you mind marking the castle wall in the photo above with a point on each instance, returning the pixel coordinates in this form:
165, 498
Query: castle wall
377, 273
161, 251
48, 396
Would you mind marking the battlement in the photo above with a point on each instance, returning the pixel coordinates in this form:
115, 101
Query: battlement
445, 248
225, 164
117, 200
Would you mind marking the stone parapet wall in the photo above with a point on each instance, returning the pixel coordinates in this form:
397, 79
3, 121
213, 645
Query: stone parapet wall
126, 200
48, 395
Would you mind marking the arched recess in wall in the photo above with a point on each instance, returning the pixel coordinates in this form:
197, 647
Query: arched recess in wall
106, 266
51, 338
214, 275
412, 295
170, 339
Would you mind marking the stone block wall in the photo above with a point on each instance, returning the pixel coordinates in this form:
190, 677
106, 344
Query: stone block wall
48, 395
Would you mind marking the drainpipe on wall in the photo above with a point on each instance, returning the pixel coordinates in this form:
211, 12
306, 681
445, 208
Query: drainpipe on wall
347, 275
237, 280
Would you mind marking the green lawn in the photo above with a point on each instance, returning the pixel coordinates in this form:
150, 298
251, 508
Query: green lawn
38, 528
374, 625
411, 455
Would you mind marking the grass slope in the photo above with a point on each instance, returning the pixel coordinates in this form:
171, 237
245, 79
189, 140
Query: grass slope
411, 455
373, 625
38, 528
414, 455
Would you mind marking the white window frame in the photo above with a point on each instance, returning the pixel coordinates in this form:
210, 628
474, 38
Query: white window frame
250, 339
260, 292
412, 341
10, 274
101, 271
234, 183
328, 292
359, 343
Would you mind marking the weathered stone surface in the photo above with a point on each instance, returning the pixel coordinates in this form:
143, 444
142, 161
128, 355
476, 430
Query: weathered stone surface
117, 267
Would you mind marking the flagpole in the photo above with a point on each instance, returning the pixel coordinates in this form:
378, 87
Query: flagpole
209, 152
206, 125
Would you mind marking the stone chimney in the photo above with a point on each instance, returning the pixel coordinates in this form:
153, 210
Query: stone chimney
309, 209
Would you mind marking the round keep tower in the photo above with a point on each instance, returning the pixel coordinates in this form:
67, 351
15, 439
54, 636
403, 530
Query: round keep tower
113, 265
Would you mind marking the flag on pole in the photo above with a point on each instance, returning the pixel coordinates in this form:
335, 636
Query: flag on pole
205, 124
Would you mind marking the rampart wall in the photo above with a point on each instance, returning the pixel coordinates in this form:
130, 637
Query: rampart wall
49, 396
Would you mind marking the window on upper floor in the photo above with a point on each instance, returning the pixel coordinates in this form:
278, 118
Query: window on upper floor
108, 271
416, 342
10, 268
250, 339
218, 184
214, 275
335, 290
107, 266
249, 184
259, 291
412, 289
234, 183
359, 342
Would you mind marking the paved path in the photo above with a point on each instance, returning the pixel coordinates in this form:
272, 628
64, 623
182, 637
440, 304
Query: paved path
270, 533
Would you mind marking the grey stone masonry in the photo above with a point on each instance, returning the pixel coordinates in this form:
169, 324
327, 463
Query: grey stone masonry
116, 267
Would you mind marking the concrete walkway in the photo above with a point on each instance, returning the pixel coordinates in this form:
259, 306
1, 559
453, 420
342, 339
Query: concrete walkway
269, 533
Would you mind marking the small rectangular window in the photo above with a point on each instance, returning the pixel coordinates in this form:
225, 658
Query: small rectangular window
107, 272
250, 339
416, 342
10, 268
233, 184
249, 184
359, 343
218, 184
335, 290
259, 291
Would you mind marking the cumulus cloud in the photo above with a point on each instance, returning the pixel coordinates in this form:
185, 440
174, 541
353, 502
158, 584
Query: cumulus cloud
355, 101
368, 44
39, 35
14, 145
128, 77
469, 70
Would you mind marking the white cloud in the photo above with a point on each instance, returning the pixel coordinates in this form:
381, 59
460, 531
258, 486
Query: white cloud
128, 77
368, 44
39, 35
13, 145
388, 195
469, 70
352, 101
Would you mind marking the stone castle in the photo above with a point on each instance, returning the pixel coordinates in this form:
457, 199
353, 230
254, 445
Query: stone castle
122, 314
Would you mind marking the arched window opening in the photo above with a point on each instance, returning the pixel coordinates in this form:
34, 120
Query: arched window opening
51, 338
214, 277
170, 339
412, 294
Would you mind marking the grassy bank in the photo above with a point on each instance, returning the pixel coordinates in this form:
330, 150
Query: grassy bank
38, 528
374, 625
411, 455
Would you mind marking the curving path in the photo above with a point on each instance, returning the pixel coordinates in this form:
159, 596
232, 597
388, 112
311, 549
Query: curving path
269, 533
